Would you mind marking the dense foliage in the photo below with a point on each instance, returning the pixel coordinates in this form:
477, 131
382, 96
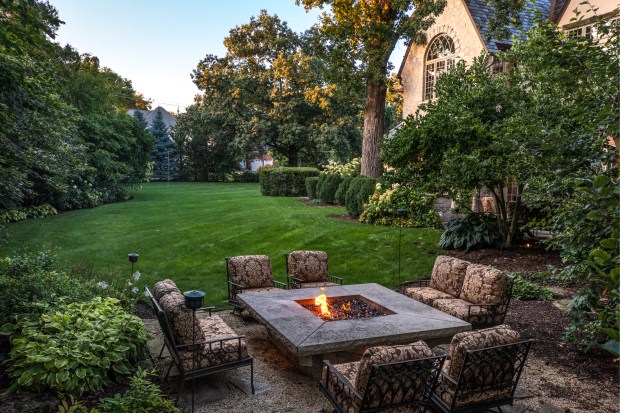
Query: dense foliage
475, 231
326, 188
285, 181
78, 348
65, 140
382, 208
311, 184
341, 193
522, 289
359, 191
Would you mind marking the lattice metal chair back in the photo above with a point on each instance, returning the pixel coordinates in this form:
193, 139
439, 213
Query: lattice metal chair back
166, 329
404, 384
488, 379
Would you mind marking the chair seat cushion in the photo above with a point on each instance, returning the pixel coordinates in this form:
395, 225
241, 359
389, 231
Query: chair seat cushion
484, 285
426, 295
210, 355
318, 284
448, 275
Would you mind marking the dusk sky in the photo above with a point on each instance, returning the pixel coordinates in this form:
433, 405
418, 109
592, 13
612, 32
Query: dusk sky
156, 44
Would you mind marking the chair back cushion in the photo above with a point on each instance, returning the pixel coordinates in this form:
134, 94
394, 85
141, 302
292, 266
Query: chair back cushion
484, 285
181, 319
448, 275
164, 287
388, 354
475, 340
309, 266
251, 271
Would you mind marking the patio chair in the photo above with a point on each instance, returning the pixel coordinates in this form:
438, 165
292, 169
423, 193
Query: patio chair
308, 269
394, 378
482, 371
249, 274
198, 346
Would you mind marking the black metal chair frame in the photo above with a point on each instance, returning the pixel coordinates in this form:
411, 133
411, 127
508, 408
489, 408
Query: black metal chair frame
295, 283
234, 289
387, 381
487, 312
177, 359
480, 374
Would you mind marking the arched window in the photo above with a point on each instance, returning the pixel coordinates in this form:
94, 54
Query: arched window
439, 58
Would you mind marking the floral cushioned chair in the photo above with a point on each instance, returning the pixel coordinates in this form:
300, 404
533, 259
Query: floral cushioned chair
249, 274
395, 379
482, 370
478, 294
308, 269
199, 346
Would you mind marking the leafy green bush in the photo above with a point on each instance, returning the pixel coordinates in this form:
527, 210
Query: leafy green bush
523, 289
360, 189
473, 232
78, 348
341, 192
319, 184
142, 397
31, 283
285, 181
327, 191
382, 207
246, 176
351, 169
20, 214
311, 184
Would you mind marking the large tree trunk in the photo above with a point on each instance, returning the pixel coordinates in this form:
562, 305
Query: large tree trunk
292, 158
374, 124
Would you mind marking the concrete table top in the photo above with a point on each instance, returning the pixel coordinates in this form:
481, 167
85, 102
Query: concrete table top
305, 334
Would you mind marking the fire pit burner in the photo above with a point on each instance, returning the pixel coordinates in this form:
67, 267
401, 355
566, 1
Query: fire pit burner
345, 308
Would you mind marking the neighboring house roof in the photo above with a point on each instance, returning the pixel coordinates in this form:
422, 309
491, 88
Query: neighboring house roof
149, 116
558, 9
482, 13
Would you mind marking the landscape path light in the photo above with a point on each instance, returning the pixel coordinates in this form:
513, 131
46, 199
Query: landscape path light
193, 301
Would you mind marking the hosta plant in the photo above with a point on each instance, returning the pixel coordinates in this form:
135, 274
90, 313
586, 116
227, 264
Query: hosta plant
473, 232
77, 348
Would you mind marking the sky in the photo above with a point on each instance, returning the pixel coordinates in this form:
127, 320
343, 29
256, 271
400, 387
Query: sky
156, 44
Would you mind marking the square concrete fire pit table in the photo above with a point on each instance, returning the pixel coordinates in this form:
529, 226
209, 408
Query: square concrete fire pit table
308, 340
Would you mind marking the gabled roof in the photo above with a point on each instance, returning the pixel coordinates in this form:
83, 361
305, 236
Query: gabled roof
149, 116
558, 8
482, 13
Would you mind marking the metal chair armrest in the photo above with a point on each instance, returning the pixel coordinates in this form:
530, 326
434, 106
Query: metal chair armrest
280, 284
203, 342
419, 283
342, 379
335, 279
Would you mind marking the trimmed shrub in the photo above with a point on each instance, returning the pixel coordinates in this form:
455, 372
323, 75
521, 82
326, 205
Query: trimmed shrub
473, 232
311, 184
327, 191
360, 189
341, 192
382, 207
79, 348
319, 184
285, 181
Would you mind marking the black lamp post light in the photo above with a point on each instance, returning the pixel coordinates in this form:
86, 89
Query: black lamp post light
193, 301
133, 258
401, 213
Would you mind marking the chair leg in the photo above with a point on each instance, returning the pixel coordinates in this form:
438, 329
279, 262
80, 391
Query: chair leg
252, 376
162, 350
169, 370
176, 402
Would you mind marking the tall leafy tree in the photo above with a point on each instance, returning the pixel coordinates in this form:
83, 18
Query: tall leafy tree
164, 156
275, 89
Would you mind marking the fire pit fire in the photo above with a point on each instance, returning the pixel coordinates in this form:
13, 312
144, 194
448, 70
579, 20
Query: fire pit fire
341, 308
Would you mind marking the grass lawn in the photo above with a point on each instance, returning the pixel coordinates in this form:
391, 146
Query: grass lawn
183, 231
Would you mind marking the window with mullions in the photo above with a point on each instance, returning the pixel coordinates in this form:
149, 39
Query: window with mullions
440, 57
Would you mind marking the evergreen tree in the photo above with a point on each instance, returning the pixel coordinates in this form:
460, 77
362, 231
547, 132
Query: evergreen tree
165, 157
140, 118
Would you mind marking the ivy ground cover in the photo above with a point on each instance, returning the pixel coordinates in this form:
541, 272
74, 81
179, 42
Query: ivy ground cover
183, 231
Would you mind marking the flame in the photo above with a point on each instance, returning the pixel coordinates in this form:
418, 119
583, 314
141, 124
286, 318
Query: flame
321, 300
346, 307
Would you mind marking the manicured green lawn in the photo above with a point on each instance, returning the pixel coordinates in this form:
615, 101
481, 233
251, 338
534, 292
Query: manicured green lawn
183, 231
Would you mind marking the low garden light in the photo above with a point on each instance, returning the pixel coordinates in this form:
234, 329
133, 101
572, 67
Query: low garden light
133, 258
400, 212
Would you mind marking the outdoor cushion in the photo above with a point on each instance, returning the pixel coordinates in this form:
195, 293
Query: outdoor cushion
448, 275
426, 295
309, 266
388, 354
251, 271
318, 284
214, 328
483, 285
164, 287
180, 318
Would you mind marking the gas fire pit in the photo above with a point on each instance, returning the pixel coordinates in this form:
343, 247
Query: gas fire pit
309, 339
343, 308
